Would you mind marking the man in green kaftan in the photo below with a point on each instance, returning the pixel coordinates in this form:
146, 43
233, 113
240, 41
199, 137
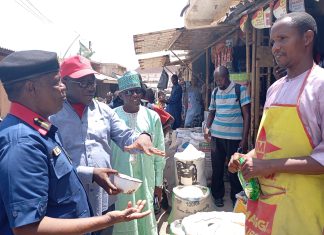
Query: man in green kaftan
149, 169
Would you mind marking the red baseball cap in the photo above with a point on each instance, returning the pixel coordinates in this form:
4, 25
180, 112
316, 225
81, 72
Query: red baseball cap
76, 67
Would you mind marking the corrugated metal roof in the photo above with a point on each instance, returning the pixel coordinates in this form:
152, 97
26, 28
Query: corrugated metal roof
154, 41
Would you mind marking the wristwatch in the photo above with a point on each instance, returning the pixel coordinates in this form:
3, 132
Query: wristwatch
146, 133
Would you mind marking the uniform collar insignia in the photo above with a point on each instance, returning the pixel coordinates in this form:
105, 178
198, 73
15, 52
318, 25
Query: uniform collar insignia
42, 123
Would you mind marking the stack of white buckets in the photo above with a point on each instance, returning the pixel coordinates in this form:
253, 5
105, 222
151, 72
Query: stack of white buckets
191, 195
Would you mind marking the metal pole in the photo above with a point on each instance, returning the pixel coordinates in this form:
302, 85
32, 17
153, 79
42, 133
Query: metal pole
193, 74
168, 69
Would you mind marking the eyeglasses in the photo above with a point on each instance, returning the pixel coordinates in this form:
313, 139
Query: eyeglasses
130, 92
85, 84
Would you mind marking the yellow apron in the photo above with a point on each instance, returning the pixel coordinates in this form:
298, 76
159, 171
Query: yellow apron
290, 204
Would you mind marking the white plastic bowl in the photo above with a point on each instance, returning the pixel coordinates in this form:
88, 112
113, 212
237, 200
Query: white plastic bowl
126, 183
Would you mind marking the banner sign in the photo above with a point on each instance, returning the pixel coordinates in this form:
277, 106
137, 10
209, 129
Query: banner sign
261, 19
280, 8
296, 5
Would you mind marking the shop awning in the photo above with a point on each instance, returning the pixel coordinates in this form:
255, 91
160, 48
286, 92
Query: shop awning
178, 39
199, 39
154, 62
154, 41
192, 41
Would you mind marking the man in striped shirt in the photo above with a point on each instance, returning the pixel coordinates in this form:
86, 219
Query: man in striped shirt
227, 128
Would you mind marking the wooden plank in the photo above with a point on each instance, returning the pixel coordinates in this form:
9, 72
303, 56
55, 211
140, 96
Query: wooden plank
207, 78
253, 70
248, 68
257, 85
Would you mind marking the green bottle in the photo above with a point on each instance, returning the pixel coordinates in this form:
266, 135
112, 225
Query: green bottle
251, 187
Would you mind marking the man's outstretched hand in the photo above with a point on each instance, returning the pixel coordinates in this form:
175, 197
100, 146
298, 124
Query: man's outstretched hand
101, 177
130, 213
144, 143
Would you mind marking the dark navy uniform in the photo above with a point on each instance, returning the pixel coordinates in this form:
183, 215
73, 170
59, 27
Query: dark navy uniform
36, 175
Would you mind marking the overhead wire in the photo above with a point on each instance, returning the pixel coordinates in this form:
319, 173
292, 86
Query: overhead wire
45, 17
28, 9
31, 8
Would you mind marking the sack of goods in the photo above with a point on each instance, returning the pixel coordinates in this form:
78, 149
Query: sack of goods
188, 200
198, 140
183, 138
204, 223
190, 167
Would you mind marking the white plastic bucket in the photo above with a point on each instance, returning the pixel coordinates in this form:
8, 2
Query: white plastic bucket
188, 200
190, 167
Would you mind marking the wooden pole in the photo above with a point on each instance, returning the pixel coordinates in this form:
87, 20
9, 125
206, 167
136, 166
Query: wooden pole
269, 69
253, 70
184, 64
248, 68
190, 72
207, 79
257, 97
247, 50
257, 85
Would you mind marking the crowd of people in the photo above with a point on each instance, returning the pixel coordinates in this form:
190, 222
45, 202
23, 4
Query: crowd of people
60, 147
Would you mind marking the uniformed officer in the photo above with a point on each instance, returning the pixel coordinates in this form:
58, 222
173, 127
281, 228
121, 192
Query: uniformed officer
40, 191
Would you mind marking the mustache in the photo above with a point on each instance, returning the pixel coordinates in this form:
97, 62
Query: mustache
279, 54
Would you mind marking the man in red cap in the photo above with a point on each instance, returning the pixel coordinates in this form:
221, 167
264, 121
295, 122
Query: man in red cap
87, 127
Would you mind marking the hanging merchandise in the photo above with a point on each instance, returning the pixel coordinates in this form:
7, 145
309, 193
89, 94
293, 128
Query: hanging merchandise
164, 79
243, 22
222, 54
296, 5
267, 18
280, 8
257, 19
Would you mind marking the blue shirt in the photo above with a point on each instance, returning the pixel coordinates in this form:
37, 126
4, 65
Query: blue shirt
228, 121
174, 106
194, 110
87, 140
36, 176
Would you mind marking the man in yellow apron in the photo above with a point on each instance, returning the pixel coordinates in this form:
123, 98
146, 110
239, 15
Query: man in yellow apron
288, 158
